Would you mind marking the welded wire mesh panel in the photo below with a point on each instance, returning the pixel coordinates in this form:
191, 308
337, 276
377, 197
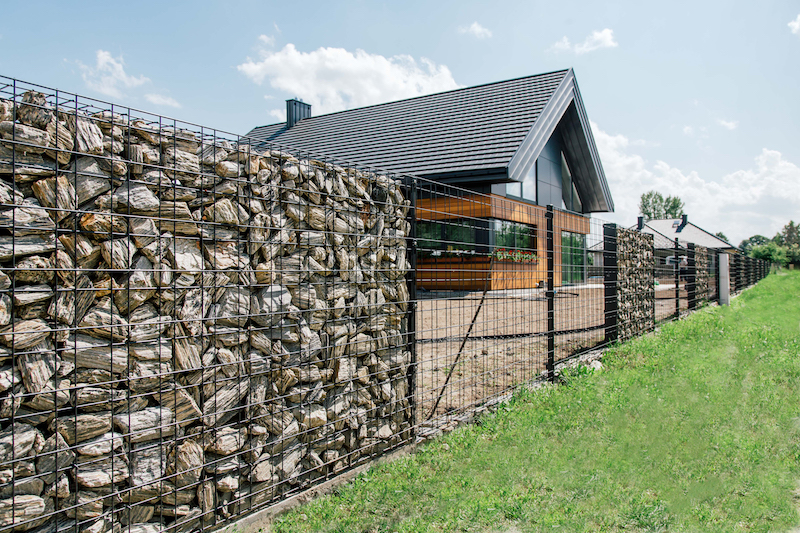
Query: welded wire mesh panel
671, 272
194, 326
486, 321
480, 275
191, 326
578, 284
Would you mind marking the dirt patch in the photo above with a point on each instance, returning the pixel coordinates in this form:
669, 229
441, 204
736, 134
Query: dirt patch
507, 344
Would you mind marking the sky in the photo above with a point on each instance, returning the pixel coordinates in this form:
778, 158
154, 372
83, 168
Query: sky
694, 99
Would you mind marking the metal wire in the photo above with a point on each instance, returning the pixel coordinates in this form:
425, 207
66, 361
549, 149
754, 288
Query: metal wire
194, 326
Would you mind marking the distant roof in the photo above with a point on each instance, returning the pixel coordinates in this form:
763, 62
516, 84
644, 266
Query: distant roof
666, 230
494, 129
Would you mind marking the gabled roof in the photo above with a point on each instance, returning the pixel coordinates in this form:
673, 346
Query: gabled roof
497, 129
666, 230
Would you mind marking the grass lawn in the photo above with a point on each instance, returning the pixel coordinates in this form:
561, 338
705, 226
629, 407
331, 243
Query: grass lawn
693, 429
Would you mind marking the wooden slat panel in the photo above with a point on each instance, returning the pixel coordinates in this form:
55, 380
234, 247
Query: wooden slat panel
474, 206
454, 274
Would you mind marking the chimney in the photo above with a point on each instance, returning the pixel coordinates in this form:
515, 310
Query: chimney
640, 224
684, 221
296, 111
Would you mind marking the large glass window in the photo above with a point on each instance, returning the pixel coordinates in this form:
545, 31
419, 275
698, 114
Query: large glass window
569, 194
452, 238
525, 190
514, 242
514, 189
529, 185
512, 235
573, 257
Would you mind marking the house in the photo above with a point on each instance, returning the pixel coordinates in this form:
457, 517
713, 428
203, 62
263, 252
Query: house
665, 231
502, 151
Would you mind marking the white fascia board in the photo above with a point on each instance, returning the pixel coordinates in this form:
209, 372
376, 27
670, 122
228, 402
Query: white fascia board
542, 129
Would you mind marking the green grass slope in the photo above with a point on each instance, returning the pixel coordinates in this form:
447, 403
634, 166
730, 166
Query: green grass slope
693, 429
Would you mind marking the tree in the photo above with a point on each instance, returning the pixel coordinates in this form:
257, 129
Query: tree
790, 234
653, 205
756, 240
721, 235
771, 251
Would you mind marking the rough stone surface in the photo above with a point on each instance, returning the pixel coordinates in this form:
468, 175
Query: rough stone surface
188, 325
636, 285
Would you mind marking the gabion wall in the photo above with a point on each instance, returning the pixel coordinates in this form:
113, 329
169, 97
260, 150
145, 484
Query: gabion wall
636, 284
191, 327
702, 275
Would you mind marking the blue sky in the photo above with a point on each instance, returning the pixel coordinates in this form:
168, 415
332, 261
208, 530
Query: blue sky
697, 99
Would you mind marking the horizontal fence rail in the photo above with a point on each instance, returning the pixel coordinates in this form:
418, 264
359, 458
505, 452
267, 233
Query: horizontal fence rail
194, 326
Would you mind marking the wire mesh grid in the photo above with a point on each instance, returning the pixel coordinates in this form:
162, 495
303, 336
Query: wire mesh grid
193, 326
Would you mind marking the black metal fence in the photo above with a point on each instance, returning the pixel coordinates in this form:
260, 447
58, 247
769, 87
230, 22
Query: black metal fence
193, 327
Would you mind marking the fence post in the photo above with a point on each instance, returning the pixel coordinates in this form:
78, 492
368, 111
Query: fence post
677, 256
551, 297
691, 278
724, 279
610, 279
411, 279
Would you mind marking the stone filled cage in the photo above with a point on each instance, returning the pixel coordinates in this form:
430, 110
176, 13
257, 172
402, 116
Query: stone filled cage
190, 327
194, 327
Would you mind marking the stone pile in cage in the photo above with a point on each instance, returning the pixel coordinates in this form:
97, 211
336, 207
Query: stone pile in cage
702, 279
190, 327
635, 283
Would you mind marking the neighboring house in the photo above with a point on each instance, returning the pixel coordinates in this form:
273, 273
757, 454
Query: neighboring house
665, 231
511, 148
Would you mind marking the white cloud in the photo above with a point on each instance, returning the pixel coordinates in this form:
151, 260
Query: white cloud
108, 75
595, 41
728, 124
160, 99
269, 40
279, 114
758, 200
476, 30
795, 25
688, 130
333, 79
561, 46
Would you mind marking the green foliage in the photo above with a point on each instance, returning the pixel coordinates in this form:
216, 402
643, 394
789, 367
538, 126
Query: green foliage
772, 252
722, 236
756, 240
782, 249
692, 429
653, 205
789, 235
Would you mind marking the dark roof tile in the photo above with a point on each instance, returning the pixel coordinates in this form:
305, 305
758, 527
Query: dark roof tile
469, 129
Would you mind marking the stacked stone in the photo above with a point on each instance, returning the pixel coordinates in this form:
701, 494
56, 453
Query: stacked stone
636, 284
189, 328
702, 275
